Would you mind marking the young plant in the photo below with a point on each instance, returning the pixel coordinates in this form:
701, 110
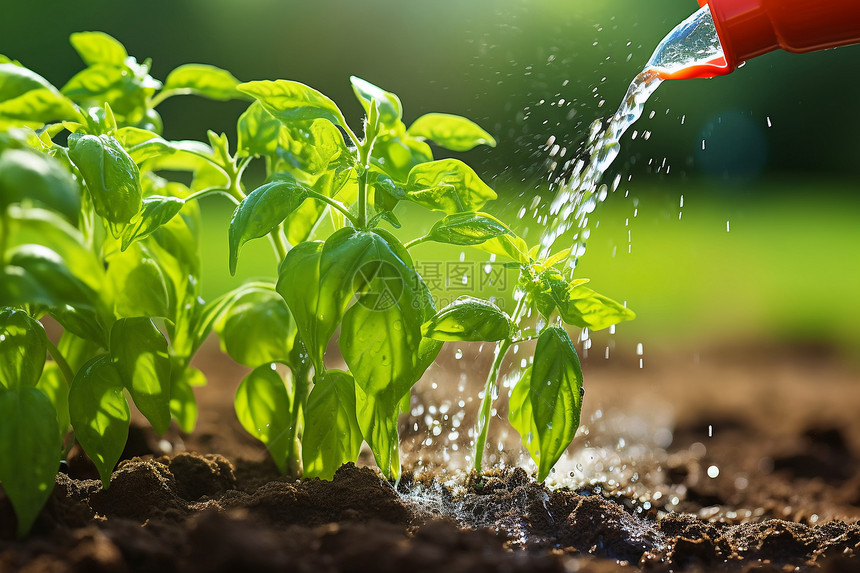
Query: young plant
360, 280
546, 402
93, 237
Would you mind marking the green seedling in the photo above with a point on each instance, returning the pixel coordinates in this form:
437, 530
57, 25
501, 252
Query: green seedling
95, 235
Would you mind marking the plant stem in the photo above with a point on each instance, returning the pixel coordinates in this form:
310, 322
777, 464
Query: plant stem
490, 388
416, 241
279, 244
61, 363
363, 152
336, 204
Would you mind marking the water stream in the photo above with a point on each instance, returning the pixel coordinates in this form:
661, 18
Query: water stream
438, 430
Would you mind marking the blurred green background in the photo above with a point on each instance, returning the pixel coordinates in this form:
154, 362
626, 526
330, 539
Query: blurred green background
779, 164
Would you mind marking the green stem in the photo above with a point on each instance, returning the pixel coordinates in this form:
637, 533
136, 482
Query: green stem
363, 152
336, 204
417, 241
160, 97
490, 388
279, 244
61, 363
208, 191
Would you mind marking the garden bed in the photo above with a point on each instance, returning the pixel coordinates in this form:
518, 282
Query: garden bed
780, 425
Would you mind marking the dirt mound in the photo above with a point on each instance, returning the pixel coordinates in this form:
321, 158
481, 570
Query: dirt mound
190, 513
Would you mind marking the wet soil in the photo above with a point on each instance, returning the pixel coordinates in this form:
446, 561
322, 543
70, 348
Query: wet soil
731, 459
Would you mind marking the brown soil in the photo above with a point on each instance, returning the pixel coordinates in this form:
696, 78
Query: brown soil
635, 493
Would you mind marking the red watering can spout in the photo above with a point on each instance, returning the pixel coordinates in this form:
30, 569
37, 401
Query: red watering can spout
749, 28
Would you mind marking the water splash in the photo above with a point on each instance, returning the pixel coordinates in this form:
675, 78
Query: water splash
691, 49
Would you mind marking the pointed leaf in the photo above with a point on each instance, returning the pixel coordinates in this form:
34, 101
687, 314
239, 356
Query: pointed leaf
450, 131
23, 348
140, 353
291, 102
257, 328
98, 48
545, 405
156, 211
263, 407
183, 404
469, 319
100, 414
390, 108
261, 212
141, 287
510, 246
581, 306
27, 96
258, 131
332, 436
56, 388
448, 185
29, 452
28, 177
203, 80
37, 275
467, 229
298, 284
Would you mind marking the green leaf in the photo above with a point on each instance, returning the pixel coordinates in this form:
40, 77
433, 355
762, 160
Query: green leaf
318, 282
447, 185
203, 80
29, 452
112, 177
580, 306
261, 212
29, 178
183, 405
291, 102
298, 284
469, 319
546, 403
263, 407
56, 388
140, 353
395, 153
257, 328
312, 149
510, 246
155, 212
139, 283
381, 340
35, 274
39, 226
27, 96
332, 436
450, 131
467, 229
377, 417
23, 348
100, 414
258, 131
390, 108
98, 48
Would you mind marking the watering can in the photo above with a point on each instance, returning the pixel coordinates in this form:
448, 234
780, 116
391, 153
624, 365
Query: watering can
750, 28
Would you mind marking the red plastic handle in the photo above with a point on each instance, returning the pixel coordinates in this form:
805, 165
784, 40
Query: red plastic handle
749, 28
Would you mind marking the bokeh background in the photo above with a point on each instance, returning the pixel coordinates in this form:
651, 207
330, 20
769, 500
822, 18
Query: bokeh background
753, 235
